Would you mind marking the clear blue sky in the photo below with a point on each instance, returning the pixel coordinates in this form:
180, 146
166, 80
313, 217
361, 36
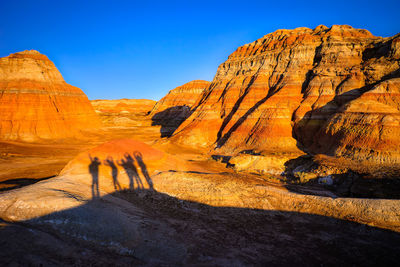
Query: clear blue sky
142, 49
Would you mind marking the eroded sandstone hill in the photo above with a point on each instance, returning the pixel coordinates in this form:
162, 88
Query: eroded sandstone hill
176, 106
36, 103
324, 90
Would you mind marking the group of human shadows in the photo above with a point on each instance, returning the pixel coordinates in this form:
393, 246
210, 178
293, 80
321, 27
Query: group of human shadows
128, 163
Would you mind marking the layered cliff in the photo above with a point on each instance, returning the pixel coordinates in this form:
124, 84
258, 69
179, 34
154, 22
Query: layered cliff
323, 90
36, 103
176, 106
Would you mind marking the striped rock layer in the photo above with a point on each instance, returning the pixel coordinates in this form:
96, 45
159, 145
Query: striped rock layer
184, 95
36, 103
176, 106
324, 90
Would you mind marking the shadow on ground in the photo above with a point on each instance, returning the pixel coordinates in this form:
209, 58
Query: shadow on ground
145, 227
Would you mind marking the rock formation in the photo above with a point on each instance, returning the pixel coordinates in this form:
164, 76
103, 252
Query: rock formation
327, 90
176, 106
36, 103
123, 112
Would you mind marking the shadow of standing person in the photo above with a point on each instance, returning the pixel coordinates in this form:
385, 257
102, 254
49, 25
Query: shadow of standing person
114, 172
139, 158
94, 171
129, 165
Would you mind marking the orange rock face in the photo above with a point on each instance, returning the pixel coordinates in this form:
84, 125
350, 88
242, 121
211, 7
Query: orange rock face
36, 103
327, 90
176, 106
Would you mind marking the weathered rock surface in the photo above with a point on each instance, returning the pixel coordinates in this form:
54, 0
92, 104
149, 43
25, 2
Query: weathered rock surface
36, 103
176, 106
124, 112
327, 90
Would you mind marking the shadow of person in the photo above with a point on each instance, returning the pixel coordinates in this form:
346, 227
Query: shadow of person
109, 161
139, 158
94, 171
129, 165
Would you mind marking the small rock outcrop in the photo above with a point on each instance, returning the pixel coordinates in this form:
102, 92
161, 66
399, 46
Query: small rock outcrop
36, 103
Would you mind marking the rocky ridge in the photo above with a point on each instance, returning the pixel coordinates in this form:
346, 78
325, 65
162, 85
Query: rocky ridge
176, 106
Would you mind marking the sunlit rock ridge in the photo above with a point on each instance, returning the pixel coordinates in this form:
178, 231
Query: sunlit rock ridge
184, 95
325, 90
171, 110
36, 103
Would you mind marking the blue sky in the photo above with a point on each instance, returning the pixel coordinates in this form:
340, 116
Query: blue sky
142, 49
